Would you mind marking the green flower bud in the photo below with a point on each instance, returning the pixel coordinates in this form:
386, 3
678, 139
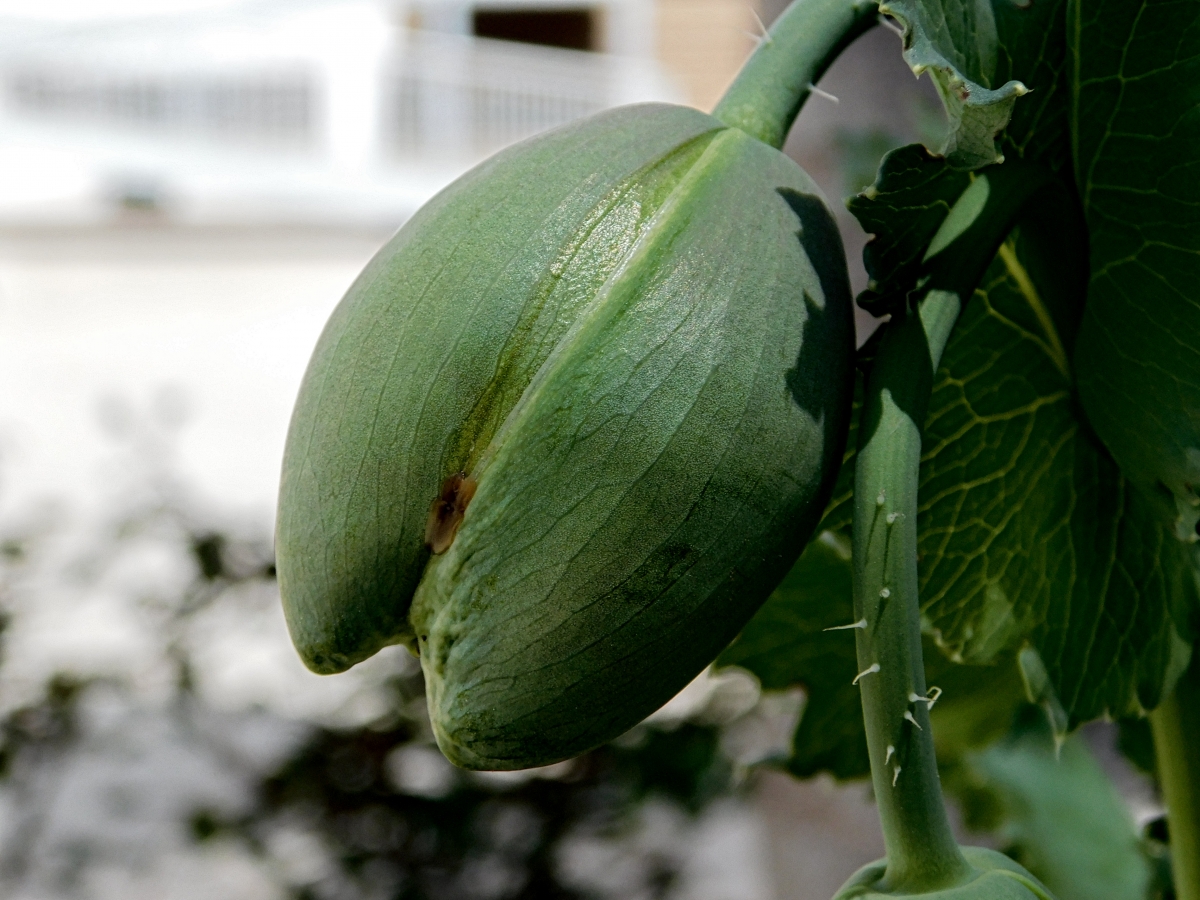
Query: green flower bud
569, 428
993, 876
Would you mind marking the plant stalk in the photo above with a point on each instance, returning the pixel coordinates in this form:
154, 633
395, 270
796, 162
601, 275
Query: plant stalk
771, 87
921, 850
1176, 726
922, 854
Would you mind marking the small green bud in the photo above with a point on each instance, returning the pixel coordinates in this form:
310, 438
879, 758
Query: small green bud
992, 876
569, 428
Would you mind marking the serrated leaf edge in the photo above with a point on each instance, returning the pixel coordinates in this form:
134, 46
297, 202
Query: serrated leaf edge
971, 140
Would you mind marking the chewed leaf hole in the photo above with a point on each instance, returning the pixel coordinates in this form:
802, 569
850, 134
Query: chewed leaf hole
446, 512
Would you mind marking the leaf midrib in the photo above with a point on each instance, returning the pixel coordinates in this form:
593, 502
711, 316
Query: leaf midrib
1053, 345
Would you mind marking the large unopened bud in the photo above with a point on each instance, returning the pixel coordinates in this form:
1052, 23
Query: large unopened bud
569, 428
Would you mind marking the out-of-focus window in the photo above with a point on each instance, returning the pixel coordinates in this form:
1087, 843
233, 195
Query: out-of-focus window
573, 29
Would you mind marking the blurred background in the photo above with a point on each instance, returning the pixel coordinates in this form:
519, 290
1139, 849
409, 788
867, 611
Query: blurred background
186, 190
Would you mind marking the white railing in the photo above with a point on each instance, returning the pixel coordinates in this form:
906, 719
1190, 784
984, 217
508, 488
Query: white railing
435, 97
305, 110
268, 107
470, 96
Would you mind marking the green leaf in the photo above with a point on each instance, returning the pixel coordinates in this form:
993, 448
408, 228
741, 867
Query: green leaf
1057, 813
910, 199
787, 644
977, 704
956, 41
973, 45
1032, 48
1030, 539
1030, 536
914, 189
1136, 123
1028, 532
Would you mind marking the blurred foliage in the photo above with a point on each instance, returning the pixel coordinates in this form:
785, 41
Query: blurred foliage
365, 810
859, 152
789, 642
1055, 811
396, 820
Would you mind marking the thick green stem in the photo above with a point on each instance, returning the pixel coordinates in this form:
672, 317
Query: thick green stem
767, 94
922, 854
1176, 725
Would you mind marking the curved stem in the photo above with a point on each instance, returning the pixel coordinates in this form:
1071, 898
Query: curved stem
922, 854
767, 94
1176, 725
921, 850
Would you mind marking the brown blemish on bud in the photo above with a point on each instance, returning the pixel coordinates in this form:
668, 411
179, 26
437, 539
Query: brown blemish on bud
446, 513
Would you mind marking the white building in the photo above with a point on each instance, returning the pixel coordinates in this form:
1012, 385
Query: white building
325, 111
